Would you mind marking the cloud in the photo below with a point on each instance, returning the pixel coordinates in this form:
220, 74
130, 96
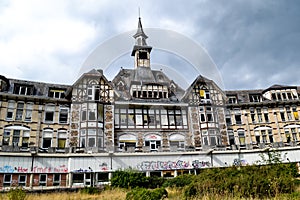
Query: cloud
254, 43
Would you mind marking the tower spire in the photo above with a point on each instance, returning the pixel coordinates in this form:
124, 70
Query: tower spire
141, 51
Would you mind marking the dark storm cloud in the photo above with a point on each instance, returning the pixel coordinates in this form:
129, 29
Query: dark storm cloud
254, 43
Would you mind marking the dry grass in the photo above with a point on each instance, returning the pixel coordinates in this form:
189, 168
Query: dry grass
120, 194
115, 194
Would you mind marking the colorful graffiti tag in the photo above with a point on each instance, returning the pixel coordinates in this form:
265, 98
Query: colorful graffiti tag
239, 162
35, 169
171, 165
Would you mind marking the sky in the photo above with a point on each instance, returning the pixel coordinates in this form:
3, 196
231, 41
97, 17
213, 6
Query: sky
254, 44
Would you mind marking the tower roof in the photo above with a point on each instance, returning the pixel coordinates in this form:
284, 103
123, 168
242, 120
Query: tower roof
140, 39
140, 31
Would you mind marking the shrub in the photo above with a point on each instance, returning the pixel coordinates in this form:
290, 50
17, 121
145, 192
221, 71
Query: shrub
147, 194
16, 194
249, 181
132, 179
179, 181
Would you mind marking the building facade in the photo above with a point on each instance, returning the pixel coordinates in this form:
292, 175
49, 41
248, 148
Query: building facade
55, 135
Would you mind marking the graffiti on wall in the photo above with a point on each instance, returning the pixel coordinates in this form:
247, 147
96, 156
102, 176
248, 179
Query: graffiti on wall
102, 166
7, 169
35, 169
239, 162
171, 165
58, 169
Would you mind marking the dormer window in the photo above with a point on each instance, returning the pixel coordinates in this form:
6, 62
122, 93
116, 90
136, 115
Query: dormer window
232, 99
57, 93
23, 89
283, 96
149, 91
255, 98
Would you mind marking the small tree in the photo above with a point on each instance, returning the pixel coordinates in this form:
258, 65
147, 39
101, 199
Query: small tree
270, 157
16, 194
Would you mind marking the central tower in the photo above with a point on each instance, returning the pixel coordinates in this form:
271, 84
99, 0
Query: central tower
141, 51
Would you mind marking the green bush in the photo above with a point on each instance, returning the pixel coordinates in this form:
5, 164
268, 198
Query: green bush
179, 181
16, 194
132, 179
146, 194
249, 181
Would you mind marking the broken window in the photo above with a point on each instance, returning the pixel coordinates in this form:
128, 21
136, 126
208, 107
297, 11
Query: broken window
6, 137
63, 115
232, 99
259, 115
49, 113
23, 89
228, 117
270, 134
47, 138
266, 115
19, 113
231, 137
282, 114
252, 114
289, 113
255, 97
16, 137
238, 117
10, 110
25, 139
28, 112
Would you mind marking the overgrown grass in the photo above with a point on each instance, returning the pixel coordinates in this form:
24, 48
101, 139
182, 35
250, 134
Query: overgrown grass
120, 194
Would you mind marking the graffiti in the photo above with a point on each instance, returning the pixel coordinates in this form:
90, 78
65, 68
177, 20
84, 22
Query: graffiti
239, 162
197, 164
7, 169
169, 165
22, 170
103, 167
80, 170
59, 169
36, 169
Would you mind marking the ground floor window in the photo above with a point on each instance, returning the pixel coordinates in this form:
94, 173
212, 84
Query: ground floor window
7, 180
56, 179
22, 180
78, 178
102, 177
43, 180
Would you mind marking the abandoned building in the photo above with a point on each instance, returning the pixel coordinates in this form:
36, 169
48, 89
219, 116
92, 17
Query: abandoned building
54, 135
